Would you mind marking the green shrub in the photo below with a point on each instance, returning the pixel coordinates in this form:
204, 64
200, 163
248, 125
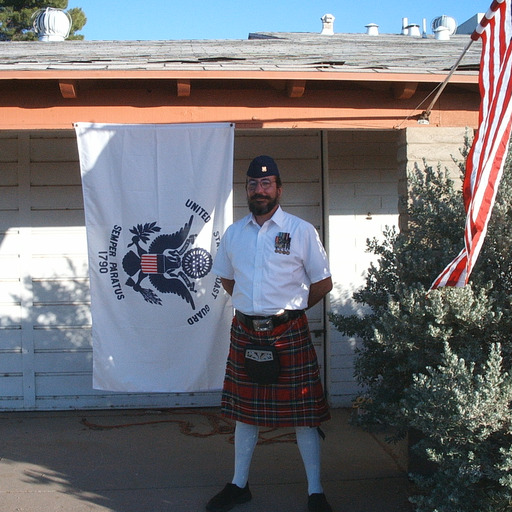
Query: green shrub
465, 409
409, 338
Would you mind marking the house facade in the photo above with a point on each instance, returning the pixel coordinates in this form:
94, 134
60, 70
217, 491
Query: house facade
338, 113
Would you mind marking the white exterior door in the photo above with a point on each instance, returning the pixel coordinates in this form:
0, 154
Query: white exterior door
363, 200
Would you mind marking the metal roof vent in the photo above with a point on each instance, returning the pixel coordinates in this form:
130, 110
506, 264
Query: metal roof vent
372, 29
327, 24
52, 24
445, 21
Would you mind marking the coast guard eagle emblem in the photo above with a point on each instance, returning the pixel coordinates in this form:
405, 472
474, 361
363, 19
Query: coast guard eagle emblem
170, 262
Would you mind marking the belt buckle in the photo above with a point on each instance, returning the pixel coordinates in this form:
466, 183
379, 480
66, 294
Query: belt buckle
262, 324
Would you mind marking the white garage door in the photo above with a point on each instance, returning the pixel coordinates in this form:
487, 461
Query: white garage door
45, 342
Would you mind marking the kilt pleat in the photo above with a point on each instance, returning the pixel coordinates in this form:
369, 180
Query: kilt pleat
297, 399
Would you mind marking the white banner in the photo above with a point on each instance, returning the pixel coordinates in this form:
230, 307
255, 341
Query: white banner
157, 200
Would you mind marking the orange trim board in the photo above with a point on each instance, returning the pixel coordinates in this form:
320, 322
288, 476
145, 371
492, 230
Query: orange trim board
370, 76
316, 117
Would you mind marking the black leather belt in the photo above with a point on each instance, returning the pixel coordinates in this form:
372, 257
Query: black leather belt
268, 323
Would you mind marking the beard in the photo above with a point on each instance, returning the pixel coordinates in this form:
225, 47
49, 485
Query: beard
261, 208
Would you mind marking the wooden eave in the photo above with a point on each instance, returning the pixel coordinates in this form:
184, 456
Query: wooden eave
294, 83
289, 80
350, 76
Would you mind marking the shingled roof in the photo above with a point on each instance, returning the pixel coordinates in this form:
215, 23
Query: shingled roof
267, 52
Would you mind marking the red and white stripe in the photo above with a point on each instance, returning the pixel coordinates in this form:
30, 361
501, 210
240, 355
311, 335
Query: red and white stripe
149, 263
484, 166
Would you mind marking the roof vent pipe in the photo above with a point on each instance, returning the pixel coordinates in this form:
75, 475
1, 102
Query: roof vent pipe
405, 24
52, 24
424, 31
372, 29
327, 24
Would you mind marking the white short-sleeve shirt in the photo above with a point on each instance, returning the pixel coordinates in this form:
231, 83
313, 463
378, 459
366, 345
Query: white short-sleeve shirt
272, 265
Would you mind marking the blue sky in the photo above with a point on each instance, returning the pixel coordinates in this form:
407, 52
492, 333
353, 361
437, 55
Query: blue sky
234, 19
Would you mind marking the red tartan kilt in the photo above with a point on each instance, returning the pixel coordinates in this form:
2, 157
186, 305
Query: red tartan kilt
297, 399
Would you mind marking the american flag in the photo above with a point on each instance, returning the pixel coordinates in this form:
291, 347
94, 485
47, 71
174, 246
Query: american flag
484, 166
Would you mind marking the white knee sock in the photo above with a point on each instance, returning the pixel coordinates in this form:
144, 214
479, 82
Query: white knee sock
308, 441
246, 437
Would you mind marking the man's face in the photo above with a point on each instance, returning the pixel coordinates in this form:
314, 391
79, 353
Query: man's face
262, 195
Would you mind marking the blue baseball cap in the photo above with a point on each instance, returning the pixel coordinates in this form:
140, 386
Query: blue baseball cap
262, 166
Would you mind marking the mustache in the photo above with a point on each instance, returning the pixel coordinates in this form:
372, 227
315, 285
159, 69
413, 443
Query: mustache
258, 196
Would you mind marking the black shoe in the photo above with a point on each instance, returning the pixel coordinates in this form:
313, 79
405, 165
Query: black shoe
318, 503
230, 496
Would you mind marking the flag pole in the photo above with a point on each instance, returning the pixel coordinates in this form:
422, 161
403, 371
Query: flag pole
425, 115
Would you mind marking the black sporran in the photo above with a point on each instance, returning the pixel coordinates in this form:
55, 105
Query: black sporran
262, 363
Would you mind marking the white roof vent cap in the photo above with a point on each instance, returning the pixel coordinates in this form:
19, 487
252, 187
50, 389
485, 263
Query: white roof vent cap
413, 30
372, 29
52, 24
327, 24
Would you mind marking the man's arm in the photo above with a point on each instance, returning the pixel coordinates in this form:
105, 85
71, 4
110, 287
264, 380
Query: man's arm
228, 285
317, 291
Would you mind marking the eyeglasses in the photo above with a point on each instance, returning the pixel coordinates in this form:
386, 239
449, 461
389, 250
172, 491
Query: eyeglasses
264, 183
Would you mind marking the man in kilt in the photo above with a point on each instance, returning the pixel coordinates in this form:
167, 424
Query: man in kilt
274, 267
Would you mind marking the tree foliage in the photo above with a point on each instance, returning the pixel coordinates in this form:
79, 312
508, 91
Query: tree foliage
428, 360
465, 408
16, 18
